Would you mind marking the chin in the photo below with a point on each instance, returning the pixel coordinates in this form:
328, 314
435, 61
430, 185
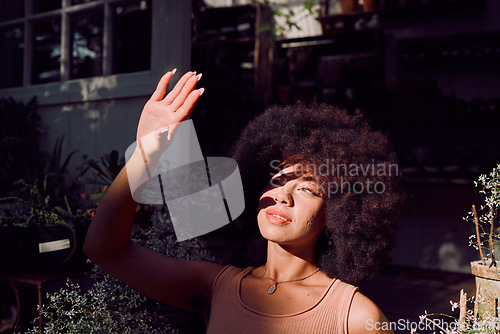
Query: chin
271, 234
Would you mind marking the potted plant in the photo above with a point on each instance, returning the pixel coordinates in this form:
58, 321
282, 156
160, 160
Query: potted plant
487, 241
108, 305
41, 229
483, 315
40, 236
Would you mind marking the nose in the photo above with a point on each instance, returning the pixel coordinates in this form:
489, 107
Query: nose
283, 195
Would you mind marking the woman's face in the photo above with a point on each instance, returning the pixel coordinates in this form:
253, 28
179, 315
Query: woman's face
291, 208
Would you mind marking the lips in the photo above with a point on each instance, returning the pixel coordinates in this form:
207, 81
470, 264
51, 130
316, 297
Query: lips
277, 216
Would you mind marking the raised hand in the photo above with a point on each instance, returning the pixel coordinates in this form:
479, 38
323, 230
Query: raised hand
162, 113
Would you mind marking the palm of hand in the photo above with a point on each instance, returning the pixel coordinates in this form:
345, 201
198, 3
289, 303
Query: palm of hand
156, 116
162, 113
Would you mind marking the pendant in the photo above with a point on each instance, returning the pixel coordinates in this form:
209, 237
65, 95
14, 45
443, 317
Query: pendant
271, 289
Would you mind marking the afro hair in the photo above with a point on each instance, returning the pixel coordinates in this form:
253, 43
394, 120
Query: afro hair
359, 180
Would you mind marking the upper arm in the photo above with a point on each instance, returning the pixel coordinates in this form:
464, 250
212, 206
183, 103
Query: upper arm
366, 317
171, 281
181, 283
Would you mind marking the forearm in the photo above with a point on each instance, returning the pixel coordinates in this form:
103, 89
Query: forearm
110, 230
109, 234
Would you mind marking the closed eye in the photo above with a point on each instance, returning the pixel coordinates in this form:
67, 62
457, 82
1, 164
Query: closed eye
309, 190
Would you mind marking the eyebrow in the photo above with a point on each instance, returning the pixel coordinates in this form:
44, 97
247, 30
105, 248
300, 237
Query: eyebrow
307, 178
301, 178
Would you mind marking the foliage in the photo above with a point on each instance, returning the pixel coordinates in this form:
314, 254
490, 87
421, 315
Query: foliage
24, 164
477, 319
284, 18
105, 171
50, 199
487, 235
110, 306
19, 135
466, 323
107, 307
38, 210
55, 170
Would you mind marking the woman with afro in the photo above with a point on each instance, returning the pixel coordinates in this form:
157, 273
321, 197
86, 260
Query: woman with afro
323, 187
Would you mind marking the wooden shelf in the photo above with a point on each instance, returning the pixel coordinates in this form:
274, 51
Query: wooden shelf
395, 8
480, 50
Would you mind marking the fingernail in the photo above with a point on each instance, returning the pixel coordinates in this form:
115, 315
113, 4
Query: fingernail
199, 76
164, 131
174, 70
201, 90
194, 72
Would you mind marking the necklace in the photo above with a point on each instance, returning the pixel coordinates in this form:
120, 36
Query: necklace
272, 288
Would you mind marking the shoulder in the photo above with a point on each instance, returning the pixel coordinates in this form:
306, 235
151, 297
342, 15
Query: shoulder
366, 317
229, 273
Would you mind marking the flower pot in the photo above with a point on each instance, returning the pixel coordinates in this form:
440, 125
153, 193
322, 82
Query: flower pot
349, 6
370, 5
487, 289
47, 249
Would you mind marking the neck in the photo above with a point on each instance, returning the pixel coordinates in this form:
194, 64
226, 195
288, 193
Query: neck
285, 264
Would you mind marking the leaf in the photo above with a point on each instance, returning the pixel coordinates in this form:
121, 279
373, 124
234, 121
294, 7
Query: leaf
264, 27
96, 196
94, 165
62, 168
309, 6
114, 167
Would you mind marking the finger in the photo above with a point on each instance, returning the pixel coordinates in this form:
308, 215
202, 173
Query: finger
186, 90
185, 110
161, 88
178, 88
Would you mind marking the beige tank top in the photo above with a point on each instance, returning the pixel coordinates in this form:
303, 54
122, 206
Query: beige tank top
230, 315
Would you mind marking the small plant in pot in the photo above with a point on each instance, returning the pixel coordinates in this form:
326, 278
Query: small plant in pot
483, 314
40, 229
487, 241
40, 235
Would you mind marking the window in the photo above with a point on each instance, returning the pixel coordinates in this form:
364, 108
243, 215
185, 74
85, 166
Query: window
11, 63
45, 41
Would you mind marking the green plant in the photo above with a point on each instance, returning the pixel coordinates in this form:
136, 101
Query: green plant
19, 135
23, 162
105, 170
467, 321
49, 199
109, 306
284, 18
487, 237
38, 216
41, 211
38, 210
481, 318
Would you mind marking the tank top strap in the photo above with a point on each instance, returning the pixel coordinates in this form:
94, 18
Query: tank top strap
228, 276
339, 299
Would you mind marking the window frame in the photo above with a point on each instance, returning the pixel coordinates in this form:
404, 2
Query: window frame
175, 30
